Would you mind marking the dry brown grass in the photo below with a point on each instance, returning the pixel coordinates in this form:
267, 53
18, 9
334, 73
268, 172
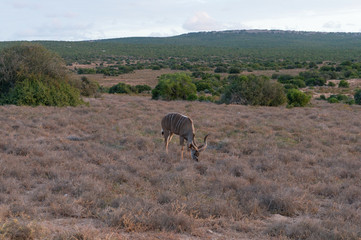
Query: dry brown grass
150, 77
100, 172
139, 77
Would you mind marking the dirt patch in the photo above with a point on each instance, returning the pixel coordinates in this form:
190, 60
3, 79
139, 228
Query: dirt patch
138, 77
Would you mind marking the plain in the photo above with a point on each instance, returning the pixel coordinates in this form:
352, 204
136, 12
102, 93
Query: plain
101, 172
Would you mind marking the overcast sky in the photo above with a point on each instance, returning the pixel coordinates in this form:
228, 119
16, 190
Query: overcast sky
85, 20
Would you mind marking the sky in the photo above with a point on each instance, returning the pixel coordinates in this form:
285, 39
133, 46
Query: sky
74, 20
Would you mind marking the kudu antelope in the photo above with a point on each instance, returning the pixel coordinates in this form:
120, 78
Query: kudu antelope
175, 123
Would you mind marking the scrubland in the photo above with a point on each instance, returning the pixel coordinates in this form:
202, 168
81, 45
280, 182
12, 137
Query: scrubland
100, 172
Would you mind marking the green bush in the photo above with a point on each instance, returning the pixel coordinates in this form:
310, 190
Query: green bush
339, 98
86, 71
333, 100
32, 75
210, 83
296, 98
343, 84
34, 91
254, 90
177, 86
126, 88
121, 88
220, 69
204, 98
234, 70
331, 84
357, 96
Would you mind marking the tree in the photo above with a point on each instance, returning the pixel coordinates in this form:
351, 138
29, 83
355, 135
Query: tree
254, 90
177, 86
32, 75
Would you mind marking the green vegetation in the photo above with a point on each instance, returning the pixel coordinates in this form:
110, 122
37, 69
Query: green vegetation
296, 98
343, 84
178, 86
339, 98
32, 75
243, 50
126, 88
321, 56
357, 96
253, 90
209, 83
87, 87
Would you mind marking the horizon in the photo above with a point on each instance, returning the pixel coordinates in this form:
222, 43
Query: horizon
187, 33
30, 20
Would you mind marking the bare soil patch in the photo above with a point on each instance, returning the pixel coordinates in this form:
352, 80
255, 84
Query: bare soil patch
150, 77
138, 77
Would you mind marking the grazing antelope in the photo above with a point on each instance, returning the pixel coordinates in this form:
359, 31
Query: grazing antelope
175, 123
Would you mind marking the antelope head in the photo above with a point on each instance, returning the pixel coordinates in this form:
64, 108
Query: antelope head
195, 150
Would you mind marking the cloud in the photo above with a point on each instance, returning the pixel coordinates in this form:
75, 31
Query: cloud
67, 14
332, 25
21, 4
201, 21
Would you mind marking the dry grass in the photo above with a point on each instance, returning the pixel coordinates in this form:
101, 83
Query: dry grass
100, 172
150, 77
139, 77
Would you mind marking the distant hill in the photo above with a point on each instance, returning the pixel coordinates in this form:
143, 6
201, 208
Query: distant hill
255, 44
250, 39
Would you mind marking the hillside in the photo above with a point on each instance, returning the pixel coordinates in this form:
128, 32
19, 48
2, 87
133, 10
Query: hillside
252, 44
251, 39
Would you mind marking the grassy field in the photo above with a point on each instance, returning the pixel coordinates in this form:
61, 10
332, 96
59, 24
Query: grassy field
100, 172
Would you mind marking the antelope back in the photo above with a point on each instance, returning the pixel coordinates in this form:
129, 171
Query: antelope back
178, 124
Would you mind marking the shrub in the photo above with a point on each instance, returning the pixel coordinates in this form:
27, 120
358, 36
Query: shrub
312, 78
254, 90
34, 91
121, 88
220, 69
357, 96
32, 75
322, 97
234, 70
176, 86
331, 84
86, 71
343, 84
341, 98
142, 88
88, 88
14, 229
296, 98
126, 88
204, 98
